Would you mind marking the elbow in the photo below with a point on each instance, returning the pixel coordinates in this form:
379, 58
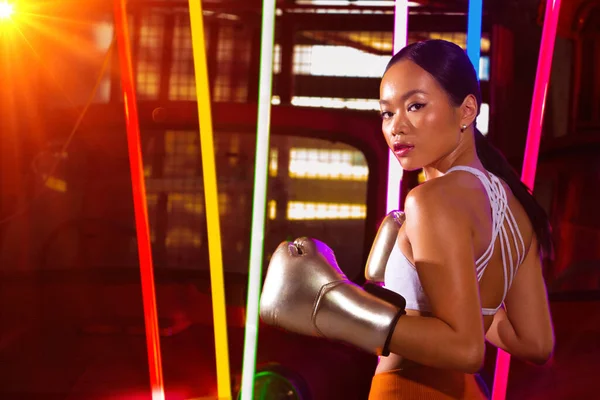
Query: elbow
541, 359
541, 352
473, 358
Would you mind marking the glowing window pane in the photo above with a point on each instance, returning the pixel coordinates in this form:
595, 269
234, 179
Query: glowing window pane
223, 203
188, 202
327, 164
149, 56
298, 210
180, 237
274, 156
272, 209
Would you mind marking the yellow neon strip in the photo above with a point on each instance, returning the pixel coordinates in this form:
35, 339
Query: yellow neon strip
211, 200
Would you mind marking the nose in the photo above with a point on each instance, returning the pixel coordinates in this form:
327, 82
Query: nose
398, 126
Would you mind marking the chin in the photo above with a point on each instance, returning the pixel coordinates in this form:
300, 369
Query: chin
409, 165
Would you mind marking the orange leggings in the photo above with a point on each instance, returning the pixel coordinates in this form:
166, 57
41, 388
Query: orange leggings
416, 385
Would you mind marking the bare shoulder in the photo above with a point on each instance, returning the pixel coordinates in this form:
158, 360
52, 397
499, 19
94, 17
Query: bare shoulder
446, 195
435, 208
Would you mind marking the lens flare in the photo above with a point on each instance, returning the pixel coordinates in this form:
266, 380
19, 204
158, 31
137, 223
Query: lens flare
6, 10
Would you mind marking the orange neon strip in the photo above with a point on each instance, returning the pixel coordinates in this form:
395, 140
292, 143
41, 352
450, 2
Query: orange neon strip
139, 201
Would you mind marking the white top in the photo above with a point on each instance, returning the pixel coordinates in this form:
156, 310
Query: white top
401, 275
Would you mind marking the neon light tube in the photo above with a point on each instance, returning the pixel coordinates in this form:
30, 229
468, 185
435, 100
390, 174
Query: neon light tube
211, 200
394, 168
532, 148
259, 199
534, 131
474, 32
139, 201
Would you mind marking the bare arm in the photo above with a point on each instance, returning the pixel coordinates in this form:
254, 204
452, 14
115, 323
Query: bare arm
524, 328
442, 245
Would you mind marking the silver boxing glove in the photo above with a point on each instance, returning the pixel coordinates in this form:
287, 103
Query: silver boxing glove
384, 242
306, 292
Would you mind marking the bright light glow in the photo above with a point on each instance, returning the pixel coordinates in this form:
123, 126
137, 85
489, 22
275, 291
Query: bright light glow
338, 61
394, 168
6, 10
483, 119
158, 394
259, 201
330, 102
299, 210
532, 148
211, 198
56, 184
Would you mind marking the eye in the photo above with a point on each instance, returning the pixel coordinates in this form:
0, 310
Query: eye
415, 107
386, 114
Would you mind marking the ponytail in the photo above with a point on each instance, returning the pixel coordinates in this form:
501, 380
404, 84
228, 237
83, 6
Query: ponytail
496, 163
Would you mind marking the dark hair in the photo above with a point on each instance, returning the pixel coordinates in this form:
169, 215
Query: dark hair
452, 69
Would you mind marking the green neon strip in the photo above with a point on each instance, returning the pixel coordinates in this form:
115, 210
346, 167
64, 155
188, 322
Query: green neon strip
260, 198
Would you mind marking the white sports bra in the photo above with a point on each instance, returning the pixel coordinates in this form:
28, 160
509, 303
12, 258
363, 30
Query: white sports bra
401, 275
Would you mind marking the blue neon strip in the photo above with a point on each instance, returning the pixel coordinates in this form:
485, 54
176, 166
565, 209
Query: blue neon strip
474, 32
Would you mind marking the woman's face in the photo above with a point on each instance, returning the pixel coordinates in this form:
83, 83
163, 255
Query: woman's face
419, 122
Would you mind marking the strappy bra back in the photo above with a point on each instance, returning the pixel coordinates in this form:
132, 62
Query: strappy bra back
401, 275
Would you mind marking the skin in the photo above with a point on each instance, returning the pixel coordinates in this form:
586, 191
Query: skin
448, 226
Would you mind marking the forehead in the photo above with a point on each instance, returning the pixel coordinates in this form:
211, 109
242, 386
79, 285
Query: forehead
405, 76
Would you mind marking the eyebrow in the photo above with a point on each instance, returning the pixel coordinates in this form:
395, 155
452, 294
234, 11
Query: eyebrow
405, 96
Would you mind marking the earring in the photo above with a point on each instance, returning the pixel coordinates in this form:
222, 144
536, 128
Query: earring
463, 127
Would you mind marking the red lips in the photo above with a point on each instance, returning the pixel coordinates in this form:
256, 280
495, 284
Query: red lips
401, 149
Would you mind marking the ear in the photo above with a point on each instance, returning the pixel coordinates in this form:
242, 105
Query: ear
468, 110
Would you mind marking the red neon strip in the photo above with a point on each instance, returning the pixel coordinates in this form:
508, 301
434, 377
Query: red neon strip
532, 147
139, 201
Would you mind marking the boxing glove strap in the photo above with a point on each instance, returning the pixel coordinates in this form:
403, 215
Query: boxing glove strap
386, 347
393, 298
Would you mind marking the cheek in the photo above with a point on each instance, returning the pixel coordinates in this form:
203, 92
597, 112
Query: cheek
434, 121
386, 128
431, 119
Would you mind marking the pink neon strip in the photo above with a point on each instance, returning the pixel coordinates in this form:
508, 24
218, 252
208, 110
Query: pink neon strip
542, 79
532, 147
139, 201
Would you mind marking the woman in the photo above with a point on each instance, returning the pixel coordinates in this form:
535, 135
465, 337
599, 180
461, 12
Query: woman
472, 214
464, 265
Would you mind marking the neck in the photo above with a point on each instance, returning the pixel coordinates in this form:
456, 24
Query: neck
465, 153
